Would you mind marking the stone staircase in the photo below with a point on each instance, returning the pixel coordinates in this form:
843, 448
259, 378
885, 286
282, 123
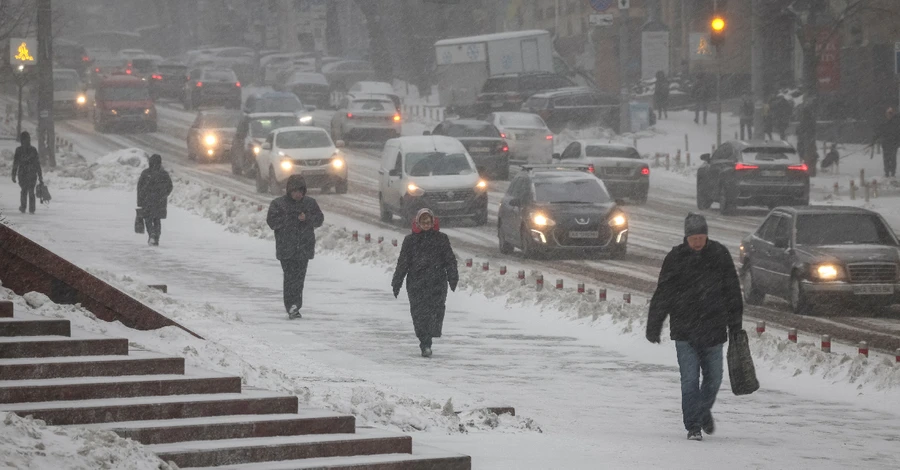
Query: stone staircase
193, 417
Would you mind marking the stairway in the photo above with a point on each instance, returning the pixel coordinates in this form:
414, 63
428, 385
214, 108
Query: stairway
193, 417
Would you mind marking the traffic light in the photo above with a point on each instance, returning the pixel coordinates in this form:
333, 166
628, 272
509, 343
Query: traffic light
717, 27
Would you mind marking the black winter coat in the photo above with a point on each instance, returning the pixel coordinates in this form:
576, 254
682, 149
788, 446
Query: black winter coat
428, 264
294, 239
27, 165
888, 132
154, 187
700, 293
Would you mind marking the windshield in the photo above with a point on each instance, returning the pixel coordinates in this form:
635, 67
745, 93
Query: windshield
220, 75
64, 83
302, 140
584, 191
437, 164
281, 104
372, 105
611, 152
221, 121
842, 229
499, 85
131, 93
143, 65
521, 120
471, 130
261, 127
770, 155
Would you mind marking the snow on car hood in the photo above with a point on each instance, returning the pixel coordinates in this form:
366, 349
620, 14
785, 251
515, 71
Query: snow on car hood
445, 182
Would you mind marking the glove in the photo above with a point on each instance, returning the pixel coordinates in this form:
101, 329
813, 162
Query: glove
14, 178
453, 286
396, 291
653, 338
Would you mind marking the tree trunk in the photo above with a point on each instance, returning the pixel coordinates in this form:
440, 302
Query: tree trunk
806, 131
333, 31
379, 53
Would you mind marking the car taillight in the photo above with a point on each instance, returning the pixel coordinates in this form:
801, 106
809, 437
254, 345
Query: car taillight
549, 137
349, 115
238, 84
396, 118
199, 84
156, 76
85, 58
741, 166
502, 135
645, 171
591, 168
800, 167
97, 70
127, 71
505, 148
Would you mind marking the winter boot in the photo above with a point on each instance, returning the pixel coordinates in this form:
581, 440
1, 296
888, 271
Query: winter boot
709, 425
426, 352
695, 435
294, 312
22, 209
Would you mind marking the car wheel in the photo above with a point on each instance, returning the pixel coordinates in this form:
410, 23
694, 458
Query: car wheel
274, 187
799, 303
752, 295
704, 202
506, 247
341, 187
726, 205
386, 215
261, 185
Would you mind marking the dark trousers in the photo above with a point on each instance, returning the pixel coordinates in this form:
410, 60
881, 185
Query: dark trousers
697, 399
701, 106
154, 228
747, 124
27, 195
294, 278
890, 161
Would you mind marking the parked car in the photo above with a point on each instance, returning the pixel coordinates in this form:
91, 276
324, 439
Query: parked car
508, 92
620, 167
344, 73
307, 151
529, 139
105, 68
212, 86
170, 83
251, 134
482, 141
752, 174
365, 119
69, 96
560, 208
575, 108
818, 257
311, 88
123, 101
376, 88
211, 135
433, 172
279, 102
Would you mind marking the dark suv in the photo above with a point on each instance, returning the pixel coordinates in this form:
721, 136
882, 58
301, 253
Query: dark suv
560, 208
575, 108
752, 174
508, 92
483, 142
820, 256
212, 86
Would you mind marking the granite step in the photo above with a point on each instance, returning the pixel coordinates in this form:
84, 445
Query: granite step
137, 362
34, 327
6, 309
79, 344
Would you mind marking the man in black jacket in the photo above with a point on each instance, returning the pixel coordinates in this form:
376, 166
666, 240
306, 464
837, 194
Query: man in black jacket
889, 135
27, 169
699, 291
153, 189
294, 217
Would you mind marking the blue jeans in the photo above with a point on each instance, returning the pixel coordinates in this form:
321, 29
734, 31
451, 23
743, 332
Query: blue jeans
697, 400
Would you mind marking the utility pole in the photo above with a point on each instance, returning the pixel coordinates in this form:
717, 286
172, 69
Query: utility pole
756, 67
45, 130
624, 118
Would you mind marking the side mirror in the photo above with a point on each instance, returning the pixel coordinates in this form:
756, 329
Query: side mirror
267, 146
782, 243
426, 132
340, 144
394, 172
704, 157
515, 202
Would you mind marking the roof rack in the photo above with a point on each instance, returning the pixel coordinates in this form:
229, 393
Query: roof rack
556, 166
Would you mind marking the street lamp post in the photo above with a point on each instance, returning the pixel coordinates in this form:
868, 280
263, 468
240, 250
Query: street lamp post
717, 37
20, 83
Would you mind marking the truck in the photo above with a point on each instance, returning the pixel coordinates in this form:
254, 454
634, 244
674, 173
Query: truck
464, 64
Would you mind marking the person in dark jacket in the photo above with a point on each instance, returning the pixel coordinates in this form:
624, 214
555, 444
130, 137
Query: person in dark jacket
153, 189
832, 157
661, 94
294, 218
428, 264
27, 169
781, 110
746, 116
699, 291
702, 93
888, 133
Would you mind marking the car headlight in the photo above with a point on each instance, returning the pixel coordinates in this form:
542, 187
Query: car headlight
481, 186
337, 163
147, 111
542, 220
618, 220
113, 112
306, 120
286, 164
256, 150
827, 272
81, 99
209, 140
414, 190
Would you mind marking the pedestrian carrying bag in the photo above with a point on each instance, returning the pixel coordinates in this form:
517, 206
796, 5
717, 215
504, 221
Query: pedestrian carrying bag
43, 193
138, 221
740, 364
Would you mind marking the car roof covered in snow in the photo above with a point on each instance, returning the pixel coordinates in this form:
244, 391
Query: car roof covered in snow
603, 143
803, 210
299, 129
270, 115
774, 144
491, 37
429, 143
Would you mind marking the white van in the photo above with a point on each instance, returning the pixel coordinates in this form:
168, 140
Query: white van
433, 172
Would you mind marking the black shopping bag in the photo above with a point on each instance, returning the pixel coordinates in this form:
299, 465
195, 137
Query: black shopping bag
138, 221
43, 193
740, 364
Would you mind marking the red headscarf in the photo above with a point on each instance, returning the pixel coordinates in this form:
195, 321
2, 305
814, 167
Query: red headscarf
415, 224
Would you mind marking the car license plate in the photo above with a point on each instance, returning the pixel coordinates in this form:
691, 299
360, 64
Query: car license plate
771, 173
318, 171
451, 205
481, 149
874, 289
584, 234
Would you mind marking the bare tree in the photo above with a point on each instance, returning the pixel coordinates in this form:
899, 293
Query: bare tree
380, 55
15, 14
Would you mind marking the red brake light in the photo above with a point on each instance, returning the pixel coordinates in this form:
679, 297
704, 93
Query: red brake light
645, 171
502, 135
85, 58
549, 137
238, 84
741, 166
349, 115
157, 76
800, 167
396, 118
127, 71
591, 168
199, 84
97, 69
505, 148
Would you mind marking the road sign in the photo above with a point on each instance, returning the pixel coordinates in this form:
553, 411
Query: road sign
22, 51
601, 20
624, 4
601, 5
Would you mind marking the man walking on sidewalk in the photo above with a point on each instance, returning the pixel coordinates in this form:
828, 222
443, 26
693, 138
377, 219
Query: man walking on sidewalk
27, 169
153, 189
699, 291
294, 217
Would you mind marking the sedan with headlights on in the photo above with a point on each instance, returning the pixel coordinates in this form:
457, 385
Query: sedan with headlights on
818, 257
306, 151
210, 137
560, 208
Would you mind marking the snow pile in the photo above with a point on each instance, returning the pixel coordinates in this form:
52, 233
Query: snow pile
285, 370
27, 443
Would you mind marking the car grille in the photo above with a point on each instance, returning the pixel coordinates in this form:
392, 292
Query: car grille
449, 196
315, 162
873, 272
561, 235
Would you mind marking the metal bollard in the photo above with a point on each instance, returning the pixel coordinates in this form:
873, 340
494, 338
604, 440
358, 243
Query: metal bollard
687, 147
539, 282
380, 240
368, 238
626, 298
760, 328
634, 142
581, 288
485, 266
863, 348
601, 296
503, 270
468, 262
874, 188
868, 193
897, 358
836, 188
687, 158
667, 162
521, 274
826, 343
862, 176
852, 190
559, 283
656, 160
678, 158
354, 236
394, 241
792, 335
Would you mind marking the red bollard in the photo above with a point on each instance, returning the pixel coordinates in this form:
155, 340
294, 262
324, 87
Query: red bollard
792, 335
468, 262
485, 266
760, 327
354, 236
380, 240
368, 238
863, 348
559, 283
539, 282
233, 198
259, 208
826, 343
581, 288
521, 274
626, 298
394, 242
503, 270
602, 295
897, 358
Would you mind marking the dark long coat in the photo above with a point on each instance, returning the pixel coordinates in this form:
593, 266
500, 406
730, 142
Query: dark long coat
294, 239
428, 264
700, 293
26, 164
154, 187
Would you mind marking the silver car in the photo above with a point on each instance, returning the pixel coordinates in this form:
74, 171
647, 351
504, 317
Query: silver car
367, 118
529, 139
620, 167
